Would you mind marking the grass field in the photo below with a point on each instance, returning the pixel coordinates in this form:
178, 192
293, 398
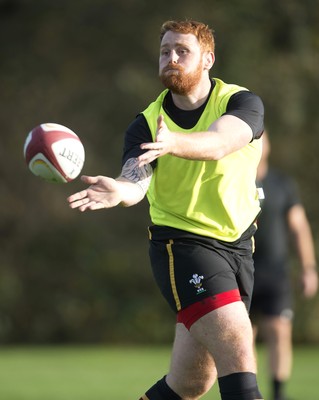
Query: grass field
118, 373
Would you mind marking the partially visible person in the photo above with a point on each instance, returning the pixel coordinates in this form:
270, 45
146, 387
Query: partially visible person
283, 216
194, 153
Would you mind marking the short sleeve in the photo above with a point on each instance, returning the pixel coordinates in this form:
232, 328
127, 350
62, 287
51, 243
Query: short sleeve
137, 133
248, 107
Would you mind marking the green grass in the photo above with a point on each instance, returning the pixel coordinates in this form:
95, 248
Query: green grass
117, 373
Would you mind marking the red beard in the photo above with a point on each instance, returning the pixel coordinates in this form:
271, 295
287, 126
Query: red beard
179, 82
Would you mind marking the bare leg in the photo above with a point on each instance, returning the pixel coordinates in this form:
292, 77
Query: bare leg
227, 334
223, 338
192, 370
278, 332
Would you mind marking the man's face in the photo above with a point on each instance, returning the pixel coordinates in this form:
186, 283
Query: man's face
180, 62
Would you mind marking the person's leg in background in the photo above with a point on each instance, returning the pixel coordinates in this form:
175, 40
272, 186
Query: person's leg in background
277, 334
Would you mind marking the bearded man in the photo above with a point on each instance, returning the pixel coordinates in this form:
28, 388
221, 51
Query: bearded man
194, 153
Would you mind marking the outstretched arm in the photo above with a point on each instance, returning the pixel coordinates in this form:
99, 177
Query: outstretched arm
104, 192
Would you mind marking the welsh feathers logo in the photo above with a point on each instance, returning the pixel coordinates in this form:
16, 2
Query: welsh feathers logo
197, 282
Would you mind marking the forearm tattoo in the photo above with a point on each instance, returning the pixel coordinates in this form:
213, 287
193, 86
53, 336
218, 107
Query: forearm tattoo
140, 175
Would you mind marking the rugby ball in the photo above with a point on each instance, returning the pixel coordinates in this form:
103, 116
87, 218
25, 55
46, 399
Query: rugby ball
54, 152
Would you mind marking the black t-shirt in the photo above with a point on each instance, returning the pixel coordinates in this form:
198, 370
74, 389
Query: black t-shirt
272, 236
243, 104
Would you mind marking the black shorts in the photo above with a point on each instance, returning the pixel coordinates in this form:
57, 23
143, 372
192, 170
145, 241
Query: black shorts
272, 295
189, 268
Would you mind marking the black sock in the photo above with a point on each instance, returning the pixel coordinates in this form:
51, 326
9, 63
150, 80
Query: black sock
161, 391
239, 386
278, 389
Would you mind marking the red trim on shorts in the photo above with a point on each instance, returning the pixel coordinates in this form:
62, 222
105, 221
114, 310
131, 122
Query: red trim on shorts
195, 311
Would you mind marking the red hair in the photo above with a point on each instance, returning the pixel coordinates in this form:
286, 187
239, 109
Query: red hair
203, 33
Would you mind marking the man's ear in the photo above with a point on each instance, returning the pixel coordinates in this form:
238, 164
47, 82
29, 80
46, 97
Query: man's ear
209, 59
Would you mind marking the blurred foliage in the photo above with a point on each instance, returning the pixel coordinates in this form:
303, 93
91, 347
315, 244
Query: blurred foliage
92, 65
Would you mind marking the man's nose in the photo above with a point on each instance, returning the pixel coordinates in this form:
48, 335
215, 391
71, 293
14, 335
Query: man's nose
173, 57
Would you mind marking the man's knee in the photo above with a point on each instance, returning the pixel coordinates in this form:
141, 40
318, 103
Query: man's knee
194, 388
239, 386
